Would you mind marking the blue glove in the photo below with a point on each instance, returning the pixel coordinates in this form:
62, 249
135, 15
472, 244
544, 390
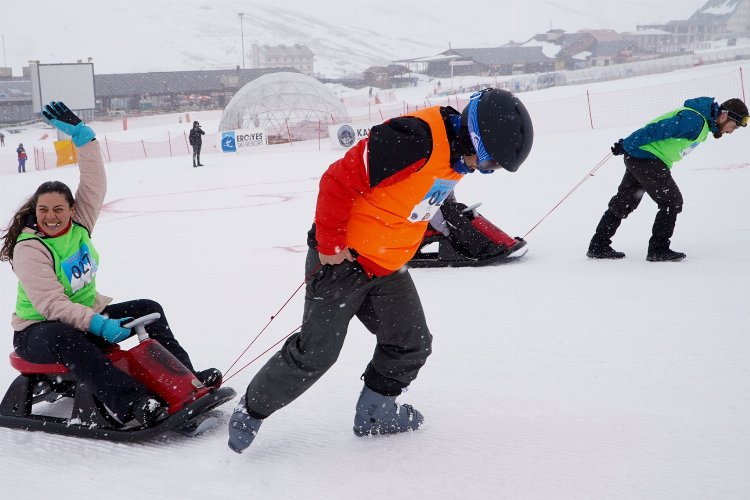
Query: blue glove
62, 118
110, 330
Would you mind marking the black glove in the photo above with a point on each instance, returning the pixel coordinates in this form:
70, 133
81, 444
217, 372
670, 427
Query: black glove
59, 111
618, 149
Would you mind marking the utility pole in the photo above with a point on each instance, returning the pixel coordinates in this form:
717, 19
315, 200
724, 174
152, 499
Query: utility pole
5, 61
242, 31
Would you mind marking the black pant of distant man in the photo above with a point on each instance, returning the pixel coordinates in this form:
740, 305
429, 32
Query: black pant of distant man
643, 175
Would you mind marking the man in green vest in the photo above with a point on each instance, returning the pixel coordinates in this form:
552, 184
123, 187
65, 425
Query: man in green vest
650, 153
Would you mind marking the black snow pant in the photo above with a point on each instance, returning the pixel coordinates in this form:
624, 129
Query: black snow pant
642, 176
388, 306
81, 353
196, 154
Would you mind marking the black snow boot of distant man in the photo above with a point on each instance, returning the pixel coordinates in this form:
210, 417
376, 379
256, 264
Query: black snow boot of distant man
658, 245
600, 246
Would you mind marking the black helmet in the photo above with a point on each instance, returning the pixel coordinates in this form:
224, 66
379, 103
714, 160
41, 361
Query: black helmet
736, 110
196, 124
500, 129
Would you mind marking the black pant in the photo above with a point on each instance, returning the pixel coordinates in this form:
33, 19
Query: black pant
644, 176
81, 353
389, 307
196, 154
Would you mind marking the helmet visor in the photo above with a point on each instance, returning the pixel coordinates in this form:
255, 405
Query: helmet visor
484, 159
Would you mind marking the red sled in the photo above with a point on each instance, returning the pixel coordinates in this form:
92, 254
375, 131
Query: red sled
51, 388
473, 242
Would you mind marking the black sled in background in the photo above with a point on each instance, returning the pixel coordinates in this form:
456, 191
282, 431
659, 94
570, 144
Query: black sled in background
472, 240
50, 386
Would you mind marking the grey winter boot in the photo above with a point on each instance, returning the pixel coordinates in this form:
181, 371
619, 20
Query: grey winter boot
242, 427
378, 414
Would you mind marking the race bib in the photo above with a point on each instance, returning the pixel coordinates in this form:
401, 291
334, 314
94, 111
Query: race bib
688, 149
79, 268
435, 197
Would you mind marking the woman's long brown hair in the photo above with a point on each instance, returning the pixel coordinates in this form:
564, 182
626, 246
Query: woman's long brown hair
22, 215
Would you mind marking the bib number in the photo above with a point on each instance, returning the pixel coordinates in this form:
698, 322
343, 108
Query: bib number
432, 201
79, 268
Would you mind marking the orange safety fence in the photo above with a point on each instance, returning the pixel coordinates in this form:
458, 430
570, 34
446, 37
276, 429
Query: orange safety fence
631, 107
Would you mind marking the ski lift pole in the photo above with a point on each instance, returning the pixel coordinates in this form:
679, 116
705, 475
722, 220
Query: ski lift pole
590, 174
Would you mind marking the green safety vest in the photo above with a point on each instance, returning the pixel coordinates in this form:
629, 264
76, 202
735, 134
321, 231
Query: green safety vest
674, 149
76, 262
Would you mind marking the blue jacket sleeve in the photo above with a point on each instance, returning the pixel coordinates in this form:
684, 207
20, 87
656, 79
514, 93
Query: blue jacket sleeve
685, 125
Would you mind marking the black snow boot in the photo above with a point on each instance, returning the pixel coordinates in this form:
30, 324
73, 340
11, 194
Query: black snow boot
664, 255
378, 414
148, 410
597, 252
599, 247
211, 377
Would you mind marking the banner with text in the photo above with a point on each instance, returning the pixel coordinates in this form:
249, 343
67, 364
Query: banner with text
243, 140
347, 135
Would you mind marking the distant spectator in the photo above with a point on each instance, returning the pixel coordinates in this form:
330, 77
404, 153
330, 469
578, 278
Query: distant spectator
21, 159
196, 141
2, 139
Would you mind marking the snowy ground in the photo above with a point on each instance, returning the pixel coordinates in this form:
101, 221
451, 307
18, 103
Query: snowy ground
555, 377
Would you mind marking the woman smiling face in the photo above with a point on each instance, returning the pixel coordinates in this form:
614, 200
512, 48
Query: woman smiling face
53, 213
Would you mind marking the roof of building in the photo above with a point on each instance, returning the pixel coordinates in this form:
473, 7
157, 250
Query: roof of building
497, 56
176, 82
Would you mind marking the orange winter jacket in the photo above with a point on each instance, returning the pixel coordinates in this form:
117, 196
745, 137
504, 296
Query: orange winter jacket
386, 222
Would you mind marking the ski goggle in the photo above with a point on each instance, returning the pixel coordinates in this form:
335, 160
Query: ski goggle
485, 162
740, 120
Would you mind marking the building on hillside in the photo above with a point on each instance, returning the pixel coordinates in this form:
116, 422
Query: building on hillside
618, 52
717, 19
482, 61
296, 56
15, 101
131, 93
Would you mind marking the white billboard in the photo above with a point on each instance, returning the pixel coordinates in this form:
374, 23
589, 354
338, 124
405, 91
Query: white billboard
72, 84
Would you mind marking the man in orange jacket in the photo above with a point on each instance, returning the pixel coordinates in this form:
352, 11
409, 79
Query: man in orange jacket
373, 207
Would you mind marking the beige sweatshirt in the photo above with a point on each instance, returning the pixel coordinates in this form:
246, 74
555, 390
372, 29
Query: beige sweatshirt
33, 263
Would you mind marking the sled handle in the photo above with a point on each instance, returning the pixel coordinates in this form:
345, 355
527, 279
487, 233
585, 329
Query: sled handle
472, 209
139, 324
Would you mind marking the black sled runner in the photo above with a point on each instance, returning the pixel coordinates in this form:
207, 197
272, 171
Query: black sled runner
473, 241
47, 397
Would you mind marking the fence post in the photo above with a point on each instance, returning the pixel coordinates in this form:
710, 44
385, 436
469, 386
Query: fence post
144, 149
591, 118
319, 135
106, 143
742, 82
169, 139
288, 132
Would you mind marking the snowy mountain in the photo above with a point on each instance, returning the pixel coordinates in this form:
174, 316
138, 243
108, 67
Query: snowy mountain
345, 36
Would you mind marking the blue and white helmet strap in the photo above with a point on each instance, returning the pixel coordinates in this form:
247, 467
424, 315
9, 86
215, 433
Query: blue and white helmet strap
476, 139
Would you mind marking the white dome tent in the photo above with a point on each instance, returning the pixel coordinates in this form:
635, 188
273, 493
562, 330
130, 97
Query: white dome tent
289, 106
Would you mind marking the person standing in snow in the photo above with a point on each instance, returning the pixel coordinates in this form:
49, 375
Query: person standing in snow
373, 207
196, 141
2, 139
60, 316
22, 157
649, 154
